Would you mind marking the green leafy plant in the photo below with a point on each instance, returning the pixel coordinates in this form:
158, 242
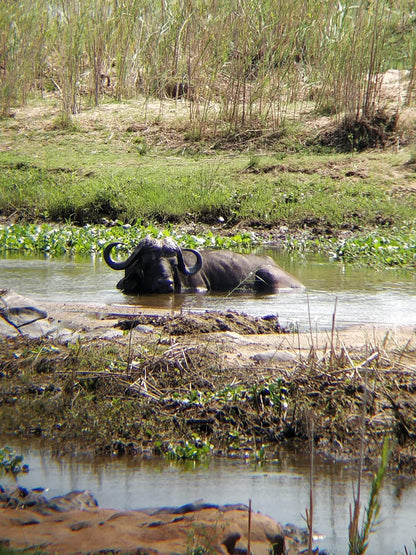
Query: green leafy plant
358, 539
68, 239
395, 250
10, 462
195, 450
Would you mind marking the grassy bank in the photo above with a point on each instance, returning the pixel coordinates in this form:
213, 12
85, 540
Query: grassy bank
319, 193
99, 178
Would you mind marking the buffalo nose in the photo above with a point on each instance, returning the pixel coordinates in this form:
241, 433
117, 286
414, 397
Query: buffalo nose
164, 285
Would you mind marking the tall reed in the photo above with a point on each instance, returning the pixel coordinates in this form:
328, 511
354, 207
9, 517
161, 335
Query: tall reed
243, 65
23, 29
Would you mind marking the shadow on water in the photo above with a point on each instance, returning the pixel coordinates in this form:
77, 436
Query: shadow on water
279, 489
360, 295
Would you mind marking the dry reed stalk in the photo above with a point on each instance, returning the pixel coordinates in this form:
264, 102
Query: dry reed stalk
309, 513
249, 529
275, 56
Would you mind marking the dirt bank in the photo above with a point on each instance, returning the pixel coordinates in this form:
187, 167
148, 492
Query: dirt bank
111, 380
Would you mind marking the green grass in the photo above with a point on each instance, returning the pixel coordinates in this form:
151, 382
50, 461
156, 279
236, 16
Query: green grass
4, 550
364, 219
172, 189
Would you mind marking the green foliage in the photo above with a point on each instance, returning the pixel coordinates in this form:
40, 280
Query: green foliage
58, 240
395, 250
358, 541
10, 462
195, 450
4, 550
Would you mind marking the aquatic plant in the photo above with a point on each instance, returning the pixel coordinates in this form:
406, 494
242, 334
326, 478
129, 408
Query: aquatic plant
195, 450
56, 240
358, 540
397, 249
10, 462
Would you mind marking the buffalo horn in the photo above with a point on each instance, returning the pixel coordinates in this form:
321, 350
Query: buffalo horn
117, 265
184, 268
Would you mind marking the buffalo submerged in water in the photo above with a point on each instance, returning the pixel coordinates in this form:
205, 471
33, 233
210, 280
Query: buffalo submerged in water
161, 266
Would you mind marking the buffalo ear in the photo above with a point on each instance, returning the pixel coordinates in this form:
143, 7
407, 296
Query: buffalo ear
189, 271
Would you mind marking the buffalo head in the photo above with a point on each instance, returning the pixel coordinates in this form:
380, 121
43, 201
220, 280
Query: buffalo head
153, 267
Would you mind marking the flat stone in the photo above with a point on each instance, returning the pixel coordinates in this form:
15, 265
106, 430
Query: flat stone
7, 330
237, 338
20, 316
144, 328
66, 336
274, 355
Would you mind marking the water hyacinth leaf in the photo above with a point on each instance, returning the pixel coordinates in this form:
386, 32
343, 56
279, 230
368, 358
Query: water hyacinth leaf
59, 240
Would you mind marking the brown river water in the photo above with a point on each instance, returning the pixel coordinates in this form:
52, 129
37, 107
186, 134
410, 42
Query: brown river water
356, 295
279, 489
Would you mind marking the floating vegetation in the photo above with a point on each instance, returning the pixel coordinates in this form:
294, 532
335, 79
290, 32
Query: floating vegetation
68, 239
10, 462
195, 450
395, 250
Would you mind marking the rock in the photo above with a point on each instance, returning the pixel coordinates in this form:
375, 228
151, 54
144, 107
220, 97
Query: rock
111, 334
74, 522
7, 330
21, 498
74, 500
65, 336
18, 316
274, 355
233, 336
144, 328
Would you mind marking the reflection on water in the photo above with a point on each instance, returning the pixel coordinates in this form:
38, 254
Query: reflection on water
280, 490
356, 295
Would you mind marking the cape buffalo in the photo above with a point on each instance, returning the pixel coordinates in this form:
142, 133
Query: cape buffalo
161, 266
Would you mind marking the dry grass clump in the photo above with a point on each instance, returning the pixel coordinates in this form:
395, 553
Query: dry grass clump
371, 388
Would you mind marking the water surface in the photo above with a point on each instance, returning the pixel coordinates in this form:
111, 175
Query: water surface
354, 295
280, 490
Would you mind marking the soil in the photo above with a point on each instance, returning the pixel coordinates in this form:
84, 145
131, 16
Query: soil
111, 380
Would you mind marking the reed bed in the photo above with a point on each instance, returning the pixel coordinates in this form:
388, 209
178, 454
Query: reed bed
241, 65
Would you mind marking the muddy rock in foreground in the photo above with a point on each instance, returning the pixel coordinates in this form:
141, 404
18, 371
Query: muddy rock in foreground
74, 523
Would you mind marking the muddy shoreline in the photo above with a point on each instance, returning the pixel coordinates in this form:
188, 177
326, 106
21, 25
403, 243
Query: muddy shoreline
111, 380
